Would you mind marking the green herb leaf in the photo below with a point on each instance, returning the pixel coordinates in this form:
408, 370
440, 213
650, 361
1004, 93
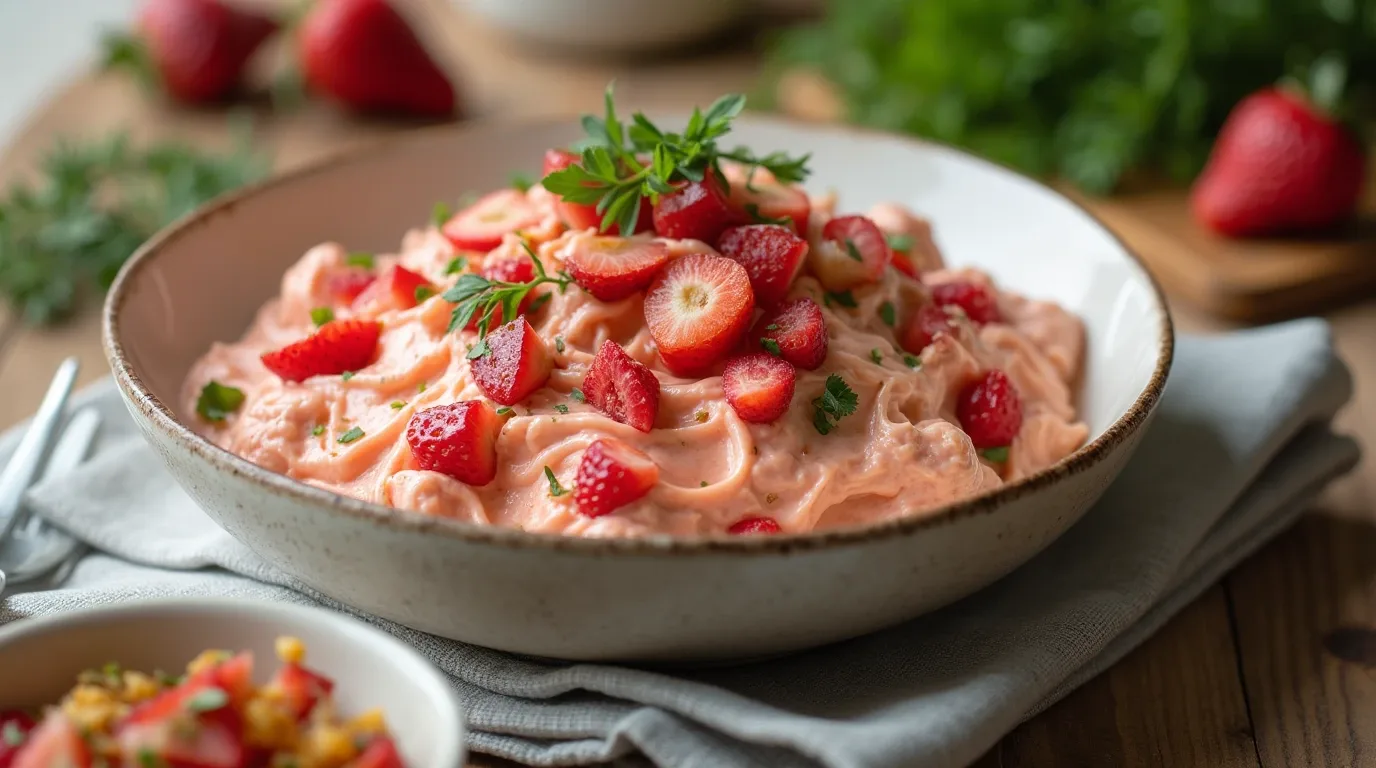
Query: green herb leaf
353, 434
11, 734
321, 315
997, 455
456, 265
843, 298
504, 410
771, 346
577, 394
753, 211
476, 296
217, 401
559, 343
207, 700
561, 408
440, 214
421, 387
360, 259
837, 401
398, 404
888, 314
877, 356
479, 350
555, 489
772, 327
346, 375
318, 430
424, 292
520, 182
899, 242
852, 251
150, 759
912, 361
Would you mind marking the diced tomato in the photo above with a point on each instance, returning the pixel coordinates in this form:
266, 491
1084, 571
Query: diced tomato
301, 688
380, 753
55, 743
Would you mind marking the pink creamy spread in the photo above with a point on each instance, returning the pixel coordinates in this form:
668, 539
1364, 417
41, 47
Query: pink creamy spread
901, 453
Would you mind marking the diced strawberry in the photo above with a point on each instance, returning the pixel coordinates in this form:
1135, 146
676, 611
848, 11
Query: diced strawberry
55, 742
338, 346
347, 285
759, 197
14, 730
696, 310
759, 386
300, 688
517, 363
798, 328
698, 210
622, 388
750, 525
990, 410
851, 253
580, 216
612, 268
771, 255
481, 226
978, 301
926, 324
398, 288
380, 753
611, 475
903, 263
458, 439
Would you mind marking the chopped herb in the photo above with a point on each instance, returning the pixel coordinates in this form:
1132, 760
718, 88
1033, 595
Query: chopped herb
353, 434
561, 408
771, 346
421, 388
887, 314
217, 401
520, 182
359, 259
504, 410
456, 265
577, 394
149, 759
480, 349
167, 680
772, 327
836, 401
476, 295
702, 416
11, 734
555, 489
853, 251
899, 242
207, 700
912, 361
398, 404
318, 430
539, 302
997, 455
703, 484
111, 670
759, 218
439, 215
876, 356
558, 343
346, 375
844, 298
321, 315
424, 292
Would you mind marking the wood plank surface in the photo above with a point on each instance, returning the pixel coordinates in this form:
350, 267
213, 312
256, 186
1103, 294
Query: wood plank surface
1275, 667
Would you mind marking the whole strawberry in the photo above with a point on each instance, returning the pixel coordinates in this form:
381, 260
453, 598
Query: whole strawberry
363, 54
1280, 164
196, 49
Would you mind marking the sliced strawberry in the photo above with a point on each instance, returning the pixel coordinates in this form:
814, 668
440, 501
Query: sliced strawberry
55, 742
580, 216
759, 386
771, 255
696, 309
979, 302
301, 689
925, 325
990, 411
758, 197
398, 288
622, 388
750, 525
611, 475
903, 263
798, 329
482, 225
338, 346
14, 730
458, 439
348, 285
380, 753
698, 210
851, 253
517, 363
612, 268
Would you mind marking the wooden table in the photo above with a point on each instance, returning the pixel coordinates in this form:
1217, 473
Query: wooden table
1275, 666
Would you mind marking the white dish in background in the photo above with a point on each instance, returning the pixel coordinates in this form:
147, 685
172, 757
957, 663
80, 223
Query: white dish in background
41, 657
611, 26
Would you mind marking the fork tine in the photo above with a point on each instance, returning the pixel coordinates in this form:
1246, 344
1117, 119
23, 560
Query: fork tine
28, 458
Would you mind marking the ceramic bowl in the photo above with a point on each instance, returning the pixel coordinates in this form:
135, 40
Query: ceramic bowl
606, 26
40, 659
659, 598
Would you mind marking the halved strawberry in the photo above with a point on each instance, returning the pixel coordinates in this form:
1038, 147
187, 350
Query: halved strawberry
380, 753
398, 288
771, 255
798, 329
979, 302
698, 210
622, 388
481, 226
612, 268
55, 742
754, 525
612, 474
300, 688
517, 363
696, 309
15, 726
580, 216
928, 322
338, 346
457, 439
347, 285
759, 386
757, 196
851, 253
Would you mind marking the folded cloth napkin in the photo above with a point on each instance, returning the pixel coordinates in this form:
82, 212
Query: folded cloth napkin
1240, 446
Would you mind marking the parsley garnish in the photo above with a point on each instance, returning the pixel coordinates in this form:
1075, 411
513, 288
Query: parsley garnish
853, 251
424, 292
398, 404
149, 759
772, 327
321, 315
479, 350
456, 265
474, 294
421, 388
753, 211
558, 343
561, 408
887, 314
771, 346
359, 259
836, 401
997, 455
346, 375
611, 175
217, 401
504, 410
844, 298
353, 434
555, 489
912, 361
11, 734
577, 394
440, 214
899, 242
318, 430
520, 182
876, 356
207, 700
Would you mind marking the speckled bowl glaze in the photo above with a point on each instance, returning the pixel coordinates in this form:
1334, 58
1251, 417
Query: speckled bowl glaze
40, 659
650, 599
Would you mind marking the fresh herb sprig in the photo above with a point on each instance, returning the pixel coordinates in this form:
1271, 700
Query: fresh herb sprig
611, 175
477, 295
837, 401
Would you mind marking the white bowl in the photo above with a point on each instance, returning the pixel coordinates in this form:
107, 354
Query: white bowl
607, 26
40, 659
660, 598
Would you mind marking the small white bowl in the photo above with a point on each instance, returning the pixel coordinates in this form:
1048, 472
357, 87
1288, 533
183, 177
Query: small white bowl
40, 659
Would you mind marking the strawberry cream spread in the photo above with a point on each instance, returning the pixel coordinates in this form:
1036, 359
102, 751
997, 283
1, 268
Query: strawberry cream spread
749, 361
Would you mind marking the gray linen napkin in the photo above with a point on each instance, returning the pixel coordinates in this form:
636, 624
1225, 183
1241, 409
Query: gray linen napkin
1239, 447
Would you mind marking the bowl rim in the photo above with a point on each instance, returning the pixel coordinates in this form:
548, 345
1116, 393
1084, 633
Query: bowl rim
429, 678
138, 395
